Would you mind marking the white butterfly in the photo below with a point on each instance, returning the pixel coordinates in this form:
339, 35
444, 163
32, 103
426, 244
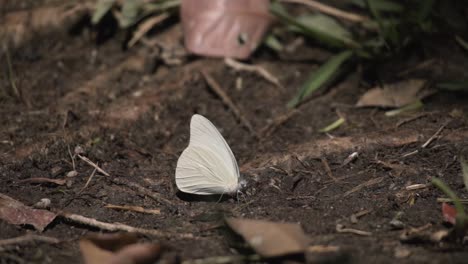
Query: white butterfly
207, 165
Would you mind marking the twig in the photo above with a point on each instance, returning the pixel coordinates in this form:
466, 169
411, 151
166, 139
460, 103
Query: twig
342, 229
238, 66
364, 184
118, 227
138, 209
72, 157
327, 169
270, 128
402, 122
225, 259
92, 164
416, 186
25, 239
215, 87
155, 196
410, 153
436, 135
144, 27
330, 10
88, 181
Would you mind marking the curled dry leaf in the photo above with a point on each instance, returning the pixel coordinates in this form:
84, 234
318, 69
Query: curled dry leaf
449, 212
270, 239
117, 249
18, 27
396, 94
224, 28
15, 212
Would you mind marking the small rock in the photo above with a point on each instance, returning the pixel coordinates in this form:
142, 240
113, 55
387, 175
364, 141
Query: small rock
79, 150
401, 252
397, 224
44, 203
56, 171
72, 173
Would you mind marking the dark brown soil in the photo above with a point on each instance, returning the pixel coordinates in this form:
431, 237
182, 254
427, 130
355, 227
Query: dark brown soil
135, 123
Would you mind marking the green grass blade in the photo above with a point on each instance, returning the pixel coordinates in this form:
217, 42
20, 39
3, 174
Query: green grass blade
312, 31
336, 124
410, 107
462, 42
320, 76
453, 86
130, 11
381, 5
102, 7
272, 42
464, 166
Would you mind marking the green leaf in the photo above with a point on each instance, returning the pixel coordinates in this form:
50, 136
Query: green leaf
462, 42
161, 6
424, 10
272, 42
130, 11
326, 25
381, 5
453, 86
333, 125
410, 107
320, 77
102, 7
320, 32
464, 166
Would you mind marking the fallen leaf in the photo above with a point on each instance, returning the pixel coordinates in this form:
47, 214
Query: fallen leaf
449, 213
270, 239
117, 249
224, 28
16, 213
396, 94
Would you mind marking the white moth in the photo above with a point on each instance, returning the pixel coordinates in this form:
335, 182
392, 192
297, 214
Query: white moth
207, 165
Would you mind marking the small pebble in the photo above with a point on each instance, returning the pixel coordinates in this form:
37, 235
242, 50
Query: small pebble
44, 203
397, 224
72, 173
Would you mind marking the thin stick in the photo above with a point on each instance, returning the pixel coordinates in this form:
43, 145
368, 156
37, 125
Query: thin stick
88, 181
85, 159
72, 157
364, 184
270, 128
238, 66
410, 119
11, 75
144, 27
330, 10
342, 229
327, 169
215, 87
118, 227
140, 189
436, 135
137, 209
29, 238
410, 153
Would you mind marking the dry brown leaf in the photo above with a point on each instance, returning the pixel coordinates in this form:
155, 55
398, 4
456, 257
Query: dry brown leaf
271, 239
117, 249
15, 212
19, 26
224, 28
396, 94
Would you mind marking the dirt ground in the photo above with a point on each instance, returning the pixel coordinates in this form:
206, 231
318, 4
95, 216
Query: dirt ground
134, 123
